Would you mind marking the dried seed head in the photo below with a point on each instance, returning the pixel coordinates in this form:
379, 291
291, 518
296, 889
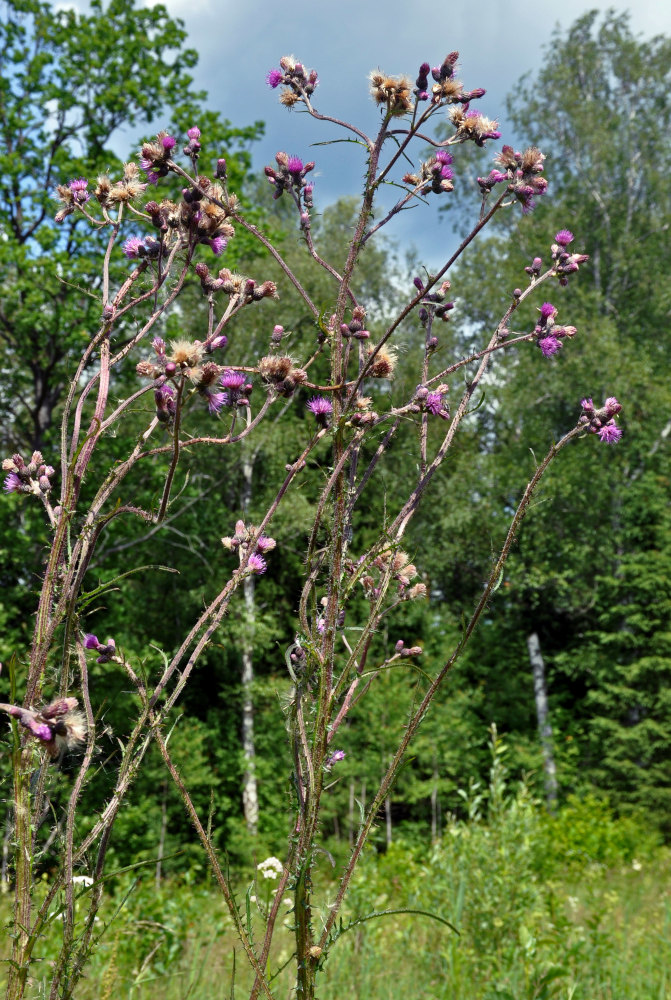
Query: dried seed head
186, 353
382, 364
395, 92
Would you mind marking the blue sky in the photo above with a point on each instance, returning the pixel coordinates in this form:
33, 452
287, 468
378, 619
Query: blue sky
344, 40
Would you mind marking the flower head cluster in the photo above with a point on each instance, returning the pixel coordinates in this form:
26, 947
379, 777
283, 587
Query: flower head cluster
136, 247
402, 650
435, 174
186, 360
289, 175
126, 190
601, 421
393, 92
155, 156
433, 304
241, 290
31, 477
106, 650
522, 170
250, 547
356, 326
271, 868
282, 374
434, 401
446, 89
566, 263
549, 335
203, 214
471, 126
394, 564
298, 82
71, 195
58, 725
193, 147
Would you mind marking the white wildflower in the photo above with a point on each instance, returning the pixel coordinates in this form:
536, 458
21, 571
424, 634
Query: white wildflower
271, 868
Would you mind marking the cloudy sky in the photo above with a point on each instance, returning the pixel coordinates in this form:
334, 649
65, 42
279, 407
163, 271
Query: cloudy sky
344, 40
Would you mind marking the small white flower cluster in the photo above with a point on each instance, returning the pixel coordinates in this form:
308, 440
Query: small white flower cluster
84, 880
271, 868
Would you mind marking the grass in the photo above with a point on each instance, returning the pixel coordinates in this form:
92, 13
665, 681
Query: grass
575, 907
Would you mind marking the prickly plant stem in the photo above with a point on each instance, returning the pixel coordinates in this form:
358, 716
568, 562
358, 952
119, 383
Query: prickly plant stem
20, 964
205, 840
418, 716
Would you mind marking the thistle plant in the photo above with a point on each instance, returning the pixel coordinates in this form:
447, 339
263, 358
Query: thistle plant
335, 657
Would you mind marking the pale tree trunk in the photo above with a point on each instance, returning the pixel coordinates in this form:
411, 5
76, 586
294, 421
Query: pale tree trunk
543, 716
250, 798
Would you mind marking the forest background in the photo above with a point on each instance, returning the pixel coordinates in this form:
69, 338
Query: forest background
590, 576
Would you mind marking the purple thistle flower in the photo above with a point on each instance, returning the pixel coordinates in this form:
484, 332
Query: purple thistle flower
610, 433
612, 406
547, 310
132, 246
215, 400
335, 757
106, 649
12, 483
265, 543
168, 142
218, 245
147, 166
219, 341
274, 78
294, 164
41, 730
166, 407
257, 563
320, 406
233, 380
442, 156
78, 188
549, 346
434, 403
158, 343
193, 133
564, 237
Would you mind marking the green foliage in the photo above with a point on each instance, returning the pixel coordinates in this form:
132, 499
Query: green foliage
71, 85
544, 907
588, 570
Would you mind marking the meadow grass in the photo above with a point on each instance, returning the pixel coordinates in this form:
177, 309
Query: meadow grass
577, 906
